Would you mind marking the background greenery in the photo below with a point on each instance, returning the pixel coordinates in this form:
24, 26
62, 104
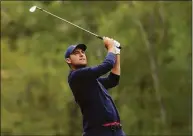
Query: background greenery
154, 95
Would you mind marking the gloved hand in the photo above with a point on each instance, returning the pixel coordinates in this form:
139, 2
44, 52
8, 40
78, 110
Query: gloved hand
116, 45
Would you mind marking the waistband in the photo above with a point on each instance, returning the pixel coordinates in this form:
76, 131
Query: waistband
111, 124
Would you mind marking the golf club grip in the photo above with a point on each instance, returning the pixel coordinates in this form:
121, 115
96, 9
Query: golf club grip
102, 39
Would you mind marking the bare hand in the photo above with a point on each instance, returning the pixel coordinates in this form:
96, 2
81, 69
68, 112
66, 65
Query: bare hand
109, 44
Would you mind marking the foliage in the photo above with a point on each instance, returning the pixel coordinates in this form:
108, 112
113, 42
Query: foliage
36, 98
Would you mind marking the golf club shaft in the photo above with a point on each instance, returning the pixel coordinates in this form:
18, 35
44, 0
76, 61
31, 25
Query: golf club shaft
71, 23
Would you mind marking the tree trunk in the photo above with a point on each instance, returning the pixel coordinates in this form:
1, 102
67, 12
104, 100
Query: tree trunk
153, 66
73, 118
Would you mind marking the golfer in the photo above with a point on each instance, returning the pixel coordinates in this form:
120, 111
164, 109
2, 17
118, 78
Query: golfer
90, 90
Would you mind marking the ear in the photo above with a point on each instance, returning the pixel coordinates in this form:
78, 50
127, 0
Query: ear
68, 60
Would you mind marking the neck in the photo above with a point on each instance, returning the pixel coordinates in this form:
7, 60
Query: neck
77, 67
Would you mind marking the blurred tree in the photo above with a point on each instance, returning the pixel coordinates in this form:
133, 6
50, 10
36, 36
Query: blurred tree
155, 61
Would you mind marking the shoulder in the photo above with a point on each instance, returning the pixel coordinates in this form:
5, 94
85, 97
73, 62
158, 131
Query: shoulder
75, 74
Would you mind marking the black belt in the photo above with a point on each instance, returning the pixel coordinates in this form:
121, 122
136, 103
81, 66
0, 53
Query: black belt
115, 127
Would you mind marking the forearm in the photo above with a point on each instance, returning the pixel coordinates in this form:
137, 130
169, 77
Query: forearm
117, 69
113, 78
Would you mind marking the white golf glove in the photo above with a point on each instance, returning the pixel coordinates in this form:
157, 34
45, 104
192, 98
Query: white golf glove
116, 45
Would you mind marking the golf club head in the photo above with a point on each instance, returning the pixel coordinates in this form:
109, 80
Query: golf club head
32, 9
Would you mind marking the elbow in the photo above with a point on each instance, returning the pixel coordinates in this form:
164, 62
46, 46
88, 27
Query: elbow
114, 79
115, 83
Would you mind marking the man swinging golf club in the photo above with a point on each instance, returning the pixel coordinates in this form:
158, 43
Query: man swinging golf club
100, 116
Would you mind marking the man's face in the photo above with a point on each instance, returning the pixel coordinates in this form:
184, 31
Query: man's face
77, 59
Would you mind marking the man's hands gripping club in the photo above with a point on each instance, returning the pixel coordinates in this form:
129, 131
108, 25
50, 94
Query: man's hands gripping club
112, 45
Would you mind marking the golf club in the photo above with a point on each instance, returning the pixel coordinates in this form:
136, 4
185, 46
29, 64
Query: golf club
33, 9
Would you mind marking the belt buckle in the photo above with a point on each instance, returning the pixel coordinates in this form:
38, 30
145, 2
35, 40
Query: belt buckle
113, 127
116, 127
119, 126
